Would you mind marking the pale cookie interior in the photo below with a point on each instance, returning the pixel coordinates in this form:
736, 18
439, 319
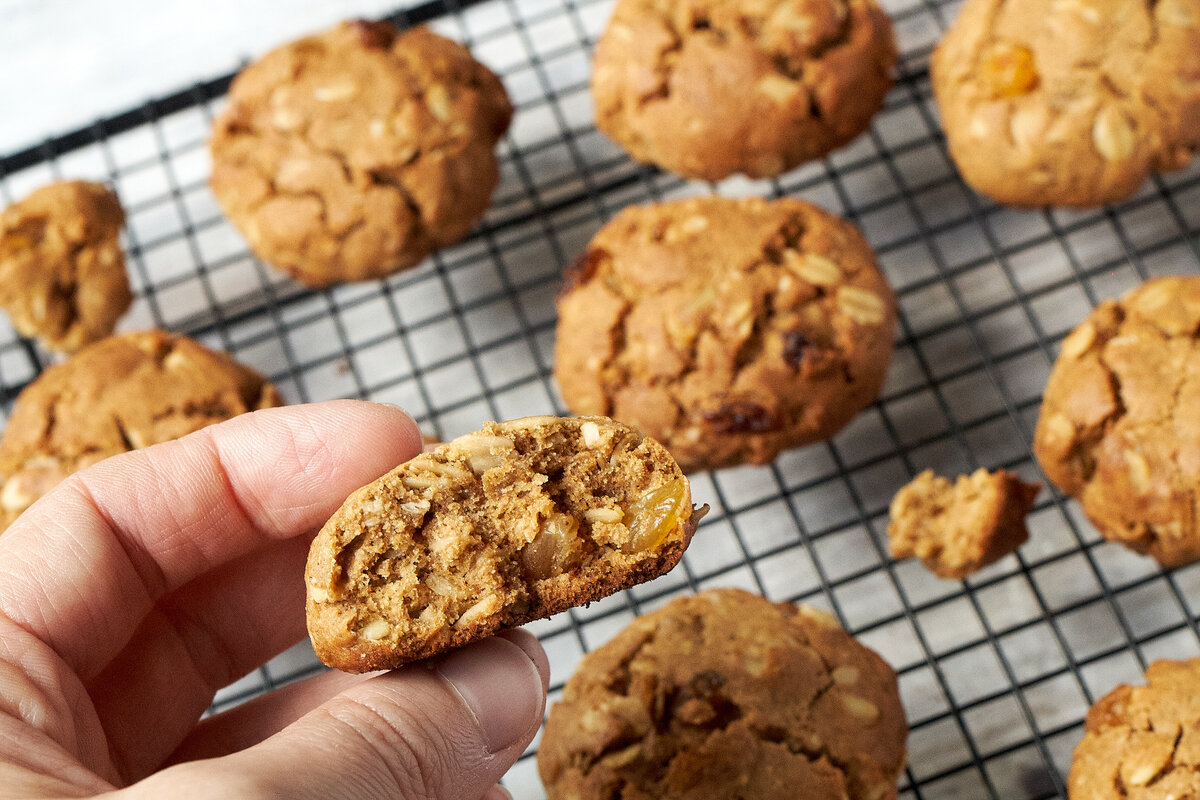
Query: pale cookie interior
492, 529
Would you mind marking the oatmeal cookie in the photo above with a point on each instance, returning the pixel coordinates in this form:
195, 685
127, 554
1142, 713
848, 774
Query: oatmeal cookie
1069, 102
355, 153
121, 393
707, 88
1142, 742
725, 695
62, 273
1119, 427
961, 527
729, 330
518, 521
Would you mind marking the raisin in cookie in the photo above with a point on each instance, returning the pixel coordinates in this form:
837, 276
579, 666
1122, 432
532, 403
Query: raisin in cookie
520, 520
1069, 102
119, 394
725, 695
960, 527
62, 273
1119, 428
729, 330
355, 153
707, 88
1142, 742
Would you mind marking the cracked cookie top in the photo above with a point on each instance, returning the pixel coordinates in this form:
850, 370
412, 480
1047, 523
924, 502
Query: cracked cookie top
119, 394
1069, 102
62, 273
1119, 428
707, 88
1142, 742
518, 521
355, 153
729, 330
726, 694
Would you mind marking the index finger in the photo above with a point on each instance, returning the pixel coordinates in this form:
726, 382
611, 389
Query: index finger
81, 567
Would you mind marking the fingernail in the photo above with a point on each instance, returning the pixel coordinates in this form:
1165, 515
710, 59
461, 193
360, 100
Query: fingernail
498, 792
501, 687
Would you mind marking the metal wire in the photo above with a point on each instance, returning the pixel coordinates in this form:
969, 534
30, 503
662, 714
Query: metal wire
997, 671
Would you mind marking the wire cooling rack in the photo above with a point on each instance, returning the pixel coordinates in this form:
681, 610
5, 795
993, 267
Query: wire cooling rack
997, 672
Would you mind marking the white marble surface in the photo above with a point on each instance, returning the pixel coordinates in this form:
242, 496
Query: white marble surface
65, 63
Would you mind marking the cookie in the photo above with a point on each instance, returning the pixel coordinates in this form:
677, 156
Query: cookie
121, 393
729, 330
518, 521
707, 88
62, 273
1119, 428
1142, 742
727, 695
961, 527
1069, 102
355, 153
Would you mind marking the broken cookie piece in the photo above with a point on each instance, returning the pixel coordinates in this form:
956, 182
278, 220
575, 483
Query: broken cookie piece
727, 695
518, 521
960, 527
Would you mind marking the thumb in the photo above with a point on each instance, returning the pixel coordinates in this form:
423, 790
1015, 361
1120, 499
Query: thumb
446, 730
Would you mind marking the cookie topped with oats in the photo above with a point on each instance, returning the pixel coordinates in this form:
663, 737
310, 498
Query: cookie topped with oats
355, 153
1119, 428
729, 330
518, 521
1069, 102
723, 695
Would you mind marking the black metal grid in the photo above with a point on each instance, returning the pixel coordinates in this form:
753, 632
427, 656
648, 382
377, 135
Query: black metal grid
996, 672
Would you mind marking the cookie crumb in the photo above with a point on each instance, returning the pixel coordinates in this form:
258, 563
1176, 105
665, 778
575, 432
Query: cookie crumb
958, 528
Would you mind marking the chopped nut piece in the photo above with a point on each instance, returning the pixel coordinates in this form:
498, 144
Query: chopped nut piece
862, 306
1113, 134
822, 618
374, 630
603, 515
335, 92
859, 708
591, 434
1139, 470
845, 675
778, 88
484, 452
1079, 341
318, 594
816, 269
438, 101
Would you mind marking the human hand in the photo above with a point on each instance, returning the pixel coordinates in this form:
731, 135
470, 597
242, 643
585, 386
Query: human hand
135, 589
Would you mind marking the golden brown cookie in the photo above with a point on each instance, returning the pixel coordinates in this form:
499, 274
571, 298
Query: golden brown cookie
727, 695
62, 273
1119, 428
707, 88
518, 521
119, 394
1069, 102
960, 527
357, 152
729, 330
1142, 742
